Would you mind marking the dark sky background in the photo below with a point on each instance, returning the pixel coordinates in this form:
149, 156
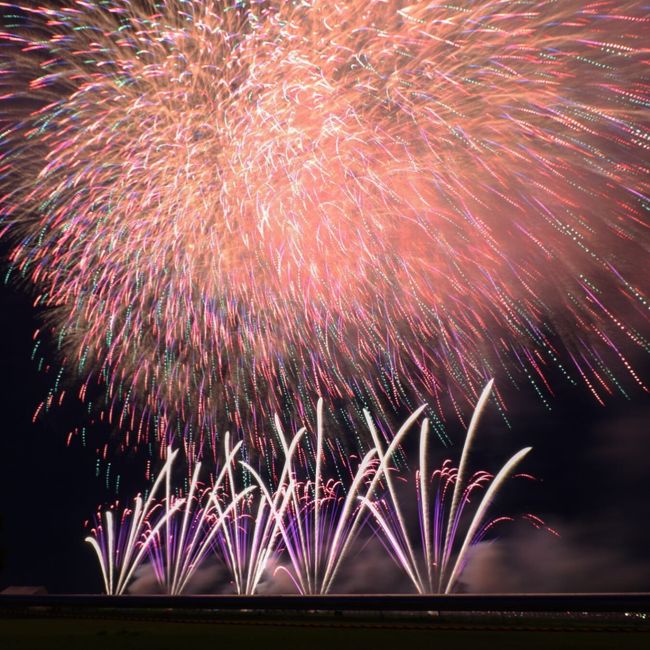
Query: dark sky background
592, 465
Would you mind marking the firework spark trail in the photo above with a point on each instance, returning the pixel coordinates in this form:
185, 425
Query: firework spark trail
230, 207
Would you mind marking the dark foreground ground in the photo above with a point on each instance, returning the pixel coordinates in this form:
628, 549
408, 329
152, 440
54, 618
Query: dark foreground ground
291, 633
99, 626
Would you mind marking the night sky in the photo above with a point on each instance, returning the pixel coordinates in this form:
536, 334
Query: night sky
591, 465
591, 462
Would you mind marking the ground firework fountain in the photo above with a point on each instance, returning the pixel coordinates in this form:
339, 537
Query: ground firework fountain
309, 526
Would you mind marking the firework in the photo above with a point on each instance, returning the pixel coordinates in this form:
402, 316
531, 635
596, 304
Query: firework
150, 531
306, 527
229, 206
323, 516
250, 537
179, 548
121, 546
431, 573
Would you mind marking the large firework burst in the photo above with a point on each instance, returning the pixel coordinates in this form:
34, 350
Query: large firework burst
234, 205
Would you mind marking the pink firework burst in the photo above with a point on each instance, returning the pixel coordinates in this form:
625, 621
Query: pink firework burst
234, 206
